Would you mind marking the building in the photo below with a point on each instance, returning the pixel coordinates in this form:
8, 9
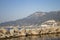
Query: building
49, 23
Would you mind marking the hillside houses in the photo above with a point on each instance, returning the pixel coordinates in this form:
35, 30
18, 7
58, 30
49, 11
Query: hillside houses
49, 23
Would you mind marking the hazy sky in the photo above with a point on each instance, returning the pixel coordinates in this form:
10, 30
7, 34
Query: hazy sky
17, 9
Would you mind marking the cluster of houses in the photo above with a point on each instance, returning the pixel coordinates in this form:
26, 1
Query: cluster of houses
45, 28
51, 23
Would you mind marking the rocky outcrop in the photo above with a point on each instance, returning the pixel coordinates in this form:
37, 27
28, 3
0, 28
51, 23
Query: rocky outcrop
2, 32
22, 32
15, 32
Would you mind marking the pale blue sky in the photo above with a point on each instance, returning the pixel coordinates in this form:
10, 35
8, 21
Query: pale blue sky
18, 9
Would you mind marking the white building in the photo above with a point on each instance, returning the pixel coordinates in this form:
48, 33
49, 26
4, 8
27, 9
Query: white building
49, 23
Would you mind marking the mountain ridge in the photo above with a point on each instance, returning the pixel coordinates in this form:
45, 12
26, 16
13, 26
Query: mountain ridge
35, 18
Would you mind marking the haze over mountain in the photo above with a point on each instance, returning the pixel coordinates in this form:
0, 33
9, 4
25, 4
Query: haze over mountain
35, 18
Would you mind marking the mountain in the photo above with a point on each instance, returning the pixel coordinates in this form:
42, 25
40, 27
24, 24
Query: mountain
35, 18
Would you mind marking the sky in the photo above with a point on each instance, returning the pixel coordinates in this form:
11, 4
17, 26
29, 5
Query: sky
11, 10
